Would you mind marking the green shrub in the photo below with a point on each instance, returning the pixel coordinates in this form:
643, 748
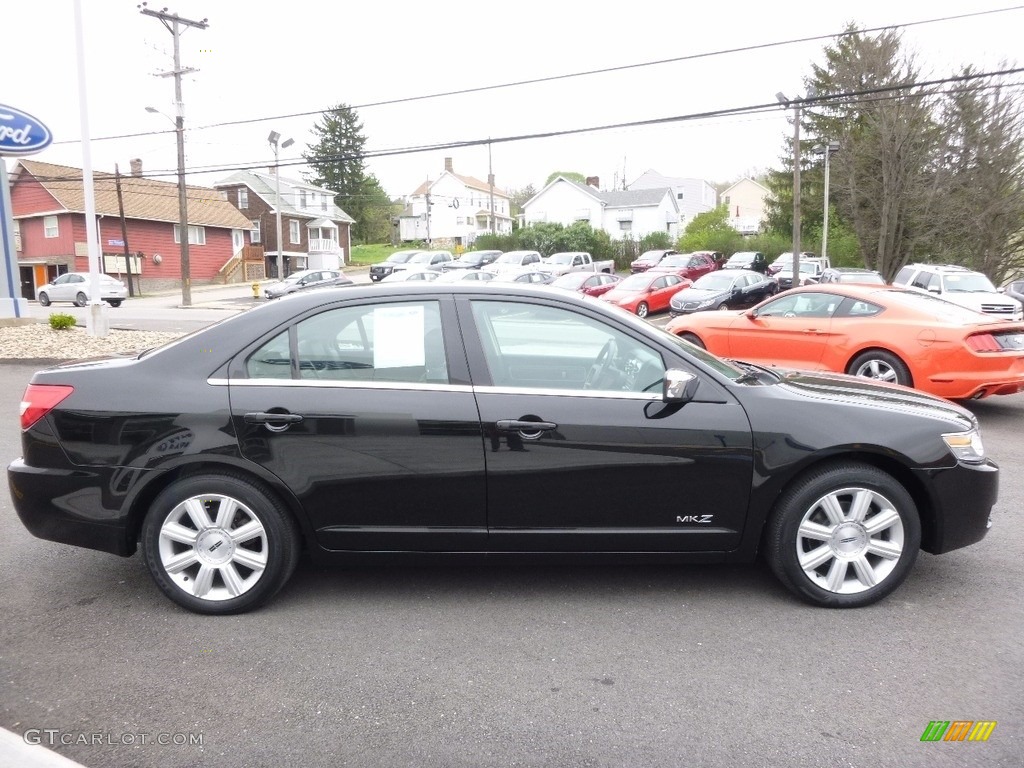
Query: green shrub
61, 320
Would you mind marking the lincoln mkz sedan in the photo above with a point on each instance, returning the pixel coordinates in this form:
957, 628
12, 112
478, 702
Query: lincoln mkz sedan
461, 421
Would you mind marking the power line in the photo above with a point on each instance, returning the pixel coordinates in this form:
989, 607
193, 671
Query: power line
567, 76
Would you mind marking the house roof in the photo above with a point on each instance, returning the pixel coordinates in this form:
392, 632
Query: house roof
651, 179
146, 199
746, 181
470, 181
616, 198
265, 186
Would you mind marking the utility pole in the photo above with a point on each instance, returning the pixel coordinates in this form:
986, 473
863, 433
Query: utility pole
428, 220
490, 181
124, 230
173, 22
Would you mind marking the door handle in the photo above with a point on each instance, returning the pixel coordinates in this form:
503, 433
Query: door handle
518, 425
262, 417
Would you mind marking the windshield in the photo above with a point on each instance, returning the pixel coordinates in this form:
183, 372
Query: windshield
968, 283
512, 257
676, 260
561, 258
572, 280
472, 258
400, 257
423, 257
714, 282
639, 282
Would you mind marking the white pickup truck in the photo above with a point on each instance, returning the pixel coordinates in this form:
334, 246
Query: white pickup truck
558, 264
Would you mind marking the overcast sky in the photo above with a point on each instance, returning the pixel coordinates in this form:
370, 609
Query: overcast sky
275, 60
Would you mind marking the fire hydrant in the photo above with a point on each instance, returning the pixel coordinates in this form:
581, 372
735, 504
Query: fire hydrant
255, 290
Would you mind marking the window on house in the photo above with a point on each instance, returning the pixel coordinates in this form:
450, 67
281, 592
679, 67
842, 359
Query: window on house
196, 235
679, 196
255, 236
727, 200
302, 198
243, 198
323, 203
626, 226
293, 231
49, 226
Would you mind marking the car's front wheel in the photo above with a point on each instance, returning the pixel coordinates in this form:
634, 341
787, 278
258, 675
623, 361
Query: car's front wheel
219, 543
843, 536
44, 300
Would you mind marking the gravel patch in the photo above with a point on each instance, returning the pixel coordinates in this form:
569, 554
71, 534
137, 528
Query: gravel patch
39, 341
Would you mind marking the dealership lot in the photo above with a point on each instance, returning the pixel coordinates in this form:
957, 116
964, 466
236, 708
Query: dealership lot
516, 665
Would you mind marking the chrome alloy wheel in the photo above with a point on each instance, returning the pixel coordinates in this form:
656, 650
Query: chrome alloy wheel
877, 369
850, 540
213, 547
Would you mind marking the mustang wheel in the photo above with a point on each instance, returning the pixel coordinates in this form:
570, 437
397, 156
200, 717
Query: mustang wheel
692, 339
881, 365
843, 536
44, 300
81, 300
219, 543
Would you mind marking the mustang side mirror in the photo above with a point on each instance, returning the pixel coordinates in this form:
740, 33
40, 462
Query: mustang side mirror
679, 386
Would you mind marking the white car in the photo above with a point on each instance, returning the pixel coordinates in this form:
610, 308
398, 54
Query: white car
74, 287
961, 286
511, 261
464, 275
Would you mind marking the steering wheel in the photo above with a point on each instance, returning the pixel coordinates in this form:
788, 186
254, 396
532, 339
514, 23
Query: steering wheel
608, 353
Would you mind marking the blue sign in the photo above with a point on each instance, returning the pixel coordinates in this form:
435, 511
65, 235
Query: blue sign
20, 133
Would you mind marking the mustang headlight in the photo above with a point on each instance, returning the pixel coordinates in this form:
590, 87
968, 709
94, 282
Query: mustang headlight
966, 446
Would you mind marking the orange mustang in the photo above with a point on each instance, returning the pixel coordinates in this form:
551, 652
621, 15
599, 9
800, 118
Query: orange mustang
880, 332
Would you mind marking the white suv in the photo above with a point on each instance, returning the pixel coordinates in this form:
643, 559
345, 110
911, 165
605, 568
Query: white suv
961, 286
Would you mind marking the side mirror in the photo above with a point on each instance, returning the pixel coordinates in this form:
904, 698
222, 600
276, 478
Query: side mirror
679, 386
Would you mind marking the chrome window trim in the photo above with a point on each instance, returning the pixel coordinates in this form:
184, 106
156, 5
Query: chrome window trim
320, 384
605, 394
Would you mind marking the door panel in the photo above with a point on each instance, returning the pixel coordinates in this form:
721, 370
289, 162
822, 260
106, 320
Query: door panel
609, 467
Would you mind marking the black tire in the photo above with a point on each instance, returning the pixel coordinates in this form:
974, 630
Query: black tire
114, 302
642, 310
881, 365
846, 564
81, 300
723, 305
44, 300
693, 339
235, 576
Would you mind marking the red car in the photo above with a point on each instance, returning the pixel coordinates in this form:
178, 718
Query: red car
587, 282
688, 265
649, 259
646, 292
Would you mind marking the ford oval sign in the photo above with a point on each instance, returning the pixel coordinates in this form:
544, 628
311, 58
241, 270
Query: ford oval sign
20, 133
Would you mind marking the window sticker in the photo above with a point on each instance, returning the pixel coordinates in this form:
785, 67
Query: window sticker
398, 336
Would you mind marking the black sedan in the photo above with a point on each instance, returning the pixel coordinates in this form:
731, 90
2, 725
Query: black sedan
724, 289
472, 260
469, 421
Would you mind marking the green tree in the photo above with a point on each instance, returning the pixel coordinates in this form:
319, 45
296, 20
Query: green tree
570, 175
710, 231
337, 162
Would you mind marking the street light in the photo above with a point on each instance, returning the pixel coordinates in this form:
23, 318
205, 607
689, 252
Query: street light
827, 150
796, 104
179, 127
274, 138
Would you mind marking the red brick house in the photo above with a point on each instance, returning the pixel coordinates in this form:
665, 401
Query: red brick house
48, 202
315, 231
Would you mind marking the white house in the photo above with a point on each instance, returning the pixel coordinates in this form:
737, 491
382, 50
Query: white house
454, 209
693, 196
621, 213
745, 201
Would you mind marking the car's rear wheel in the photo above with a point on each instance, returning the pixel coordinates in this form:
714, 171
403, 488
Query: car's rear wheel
881, 365
81, 300
843, 536
692, 339
114, 302
723, 305
642, 310
44, 300
219, 544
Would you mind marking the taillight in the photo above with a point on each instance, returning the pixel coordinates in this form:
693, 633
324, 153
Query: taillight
40, 399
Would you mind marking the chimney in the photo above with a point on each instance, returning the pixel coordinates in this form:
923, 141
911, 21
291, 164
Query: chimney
594, 181
448, 165
136, 165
